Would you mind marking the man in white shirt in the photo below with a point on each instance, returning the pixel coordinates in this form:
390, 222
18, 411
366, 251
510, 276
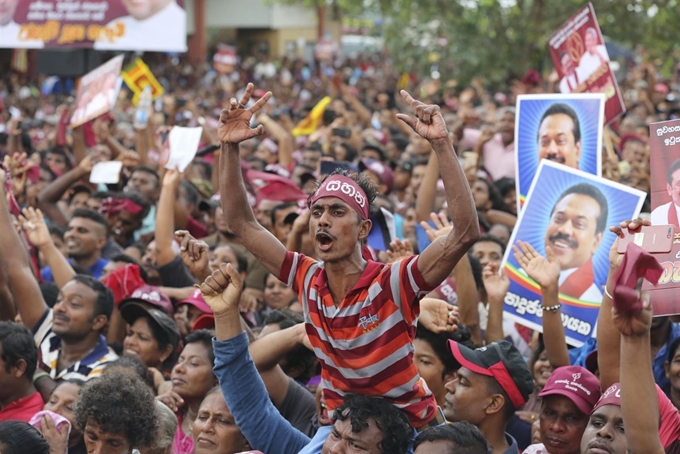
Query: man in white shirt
152, 25
577, 224
10, 30
595, 56
569, 80
668, 213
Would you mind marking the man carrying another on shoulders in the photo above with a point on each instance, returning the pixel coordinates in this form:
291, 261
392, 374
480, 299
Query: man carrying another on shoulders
352, 306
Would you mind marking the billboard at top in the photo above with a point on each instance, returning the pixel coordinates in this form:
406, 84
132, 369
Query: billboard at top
140, 25
582, 61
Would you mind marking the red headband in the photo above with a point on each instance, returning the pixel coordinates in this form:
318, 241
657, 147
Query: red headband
346, 190
112, 206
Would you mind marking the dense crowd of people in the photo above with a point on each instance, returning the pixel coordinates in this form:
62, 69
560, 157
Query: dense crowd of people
323, 277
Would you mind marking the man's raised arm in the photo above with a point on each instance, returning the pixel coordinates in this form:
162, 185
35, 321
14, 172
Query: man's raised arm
233, 129
17, 265
439, 258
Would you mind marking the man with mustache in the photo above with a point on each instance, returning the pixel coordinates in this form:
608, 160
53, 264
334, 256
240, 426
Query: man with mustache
668, 213
10, 31
360, 315
575, 230
559, 135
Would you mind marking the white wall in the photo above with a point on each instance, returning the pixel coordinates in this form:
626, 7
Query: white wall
256, 14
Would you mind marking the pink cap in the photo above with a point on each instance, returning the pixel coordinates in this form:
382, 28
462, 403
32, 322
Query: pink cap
196, 300
575, 383
151, 295
381, 170
612, 396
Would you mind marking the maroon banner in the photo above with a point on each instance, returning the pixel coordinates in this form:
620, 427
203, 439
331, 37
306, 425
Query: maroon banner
141, 25
664, 146
582, 62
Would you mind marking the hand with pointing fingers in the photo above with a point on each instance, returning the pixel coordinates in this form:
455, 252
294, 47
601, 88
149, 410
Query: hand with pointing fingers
428, 122
234, 126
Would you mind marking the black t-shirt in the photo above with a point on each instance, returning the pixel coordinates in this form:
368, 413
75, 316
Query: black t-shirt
175, 274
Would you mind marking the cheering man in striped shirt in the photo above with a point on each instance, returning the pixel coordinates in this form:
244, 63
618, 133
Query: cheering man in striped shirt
360, 315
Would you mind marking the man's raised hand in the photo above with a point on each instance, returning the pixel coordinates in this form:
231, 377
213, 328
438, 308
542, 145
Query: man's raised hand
496, 283
222, 290
428, 122
544, 271
34, 225
234, 126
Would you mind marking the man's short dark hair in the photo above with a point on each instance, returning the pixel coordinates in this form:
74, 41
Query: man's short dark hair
593, 192
301, 362
364, 183
17, 343
493, 387
464, 438
671, 170
285, 318
119, 404
279, 207
350, 151
391, 421
191, 194
148, 170
561, 108
61, 152
375, 148
488, 238
505, 185
494, 194
104, 303
19, 437
92, 216
57, 230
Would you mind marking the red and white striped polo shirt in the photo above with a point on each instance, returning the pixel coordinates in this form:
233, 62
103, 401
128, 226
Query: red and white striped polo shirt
365, 345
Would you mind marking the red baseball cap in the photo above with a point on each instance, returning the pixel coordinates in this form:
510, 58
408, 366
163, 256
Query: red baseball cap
205, 321
612, 396
151, 295
575, 383
503, 362
196, 300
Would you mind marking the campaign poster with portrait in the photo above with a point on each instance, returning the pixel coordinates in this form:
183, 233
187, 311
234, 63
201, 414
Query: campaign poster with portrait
664, 150
566, 129
570, 211
582, 62
138, 25
97, 91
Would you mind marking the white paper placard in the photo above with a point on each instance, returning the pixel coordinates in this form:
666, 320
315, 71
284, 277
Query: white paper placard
107, 172
183, 146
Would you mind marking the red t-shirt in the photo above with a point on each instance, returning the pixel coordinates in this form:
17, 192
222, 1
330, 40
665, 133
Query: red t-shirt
669, 421
23, 409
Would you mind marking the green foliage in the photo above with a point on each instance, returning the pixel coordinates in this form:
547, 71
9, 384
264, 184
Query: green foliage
501, 39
